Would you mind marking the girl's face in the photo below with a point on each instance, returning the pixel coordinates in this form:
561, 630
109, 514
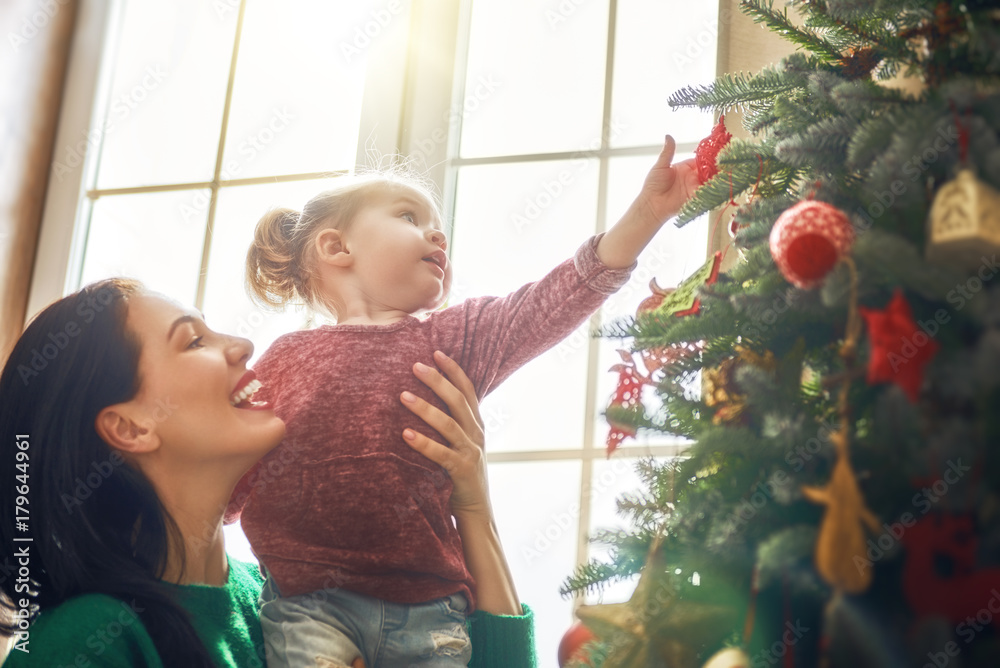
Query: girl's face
193, 388
398, 250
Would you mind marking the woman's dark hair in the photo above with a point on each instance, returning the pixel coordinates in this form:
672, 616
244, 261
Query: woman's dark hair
96, 524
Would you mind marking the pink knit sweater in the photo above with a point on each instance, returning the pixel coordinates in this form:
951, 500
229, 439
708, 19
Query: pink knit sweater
343, 501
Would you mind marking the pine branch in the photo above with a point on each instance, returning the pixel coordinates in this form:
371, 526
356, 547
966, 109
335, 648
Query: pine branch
762, 11
741, 165
735, 91
822, 147
856, 24
870, 140
864, 98
593, 577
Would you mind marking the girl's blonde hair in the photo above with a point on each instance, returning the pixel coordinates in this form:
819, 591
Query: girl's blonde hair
280, 263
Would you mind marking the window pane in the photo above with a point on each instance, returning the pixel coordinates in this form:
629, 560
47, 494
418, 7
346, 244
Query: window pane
297, 96
535, 76
147, 237
168, 91
538, 521
227, 306
513, 224
237, 544
661, 47
611, 478
673, 255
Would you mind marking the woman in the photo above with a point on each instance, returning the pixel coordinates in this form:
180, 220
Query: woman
123, 430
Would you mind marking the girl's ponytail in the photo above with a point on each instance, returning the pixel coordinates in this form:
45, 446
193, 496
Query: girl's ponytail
272, 277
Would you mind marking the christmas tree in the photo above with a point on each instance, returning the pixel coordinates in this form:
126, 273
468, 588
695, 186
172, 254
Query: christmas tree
839, 503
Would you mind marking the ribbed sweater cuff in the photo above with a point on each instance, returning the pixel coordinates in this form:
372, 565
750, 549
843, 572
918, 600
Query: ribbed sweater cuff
595, 273
503, 640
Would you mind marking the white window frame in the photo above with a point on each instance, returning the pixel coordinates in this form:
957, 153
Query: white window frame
405, 104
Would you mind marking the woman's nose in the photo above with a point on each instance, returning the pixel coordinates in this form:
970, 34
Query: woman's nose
239, 350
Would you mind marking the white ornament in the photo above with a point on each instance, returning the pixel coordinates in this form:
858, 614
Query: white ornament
731, 657
965, 223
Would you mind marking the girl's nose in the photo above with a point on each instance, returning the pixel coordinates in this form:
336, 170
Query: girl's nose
437, 238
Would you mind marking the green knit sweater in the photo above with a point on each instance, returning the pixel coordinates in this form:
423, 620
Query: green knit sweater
98, 631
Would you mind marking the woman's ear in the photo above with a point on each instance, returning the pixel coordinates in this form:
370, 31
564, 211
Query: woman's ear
331, 248
120, 428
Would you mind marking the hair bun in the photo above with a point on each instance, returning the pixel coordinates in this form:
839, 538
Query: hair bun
289, 220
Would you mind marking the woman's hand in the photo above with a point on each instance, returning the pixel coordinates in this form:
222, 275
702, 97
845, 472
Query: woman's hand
464, 460
466, 464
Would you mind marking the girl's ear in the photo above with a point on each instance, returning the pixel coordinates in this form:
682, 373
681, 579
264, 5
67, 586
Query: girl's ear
120, 429
331, 248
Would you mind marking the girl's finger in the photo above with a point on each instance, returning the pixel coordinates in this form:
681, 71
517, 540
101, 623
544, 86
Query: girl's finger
667, 154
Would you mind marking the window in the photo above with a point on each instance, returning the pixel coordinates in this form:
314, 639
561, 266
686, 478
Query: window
538, 121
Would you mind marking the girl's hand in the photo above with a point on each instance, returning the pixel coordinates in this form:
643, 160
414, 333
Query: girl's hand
464, 460
668, 186
665, 190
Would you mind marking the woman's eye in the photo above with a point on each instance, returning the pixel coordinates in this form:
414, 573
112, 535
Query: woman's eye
196, 343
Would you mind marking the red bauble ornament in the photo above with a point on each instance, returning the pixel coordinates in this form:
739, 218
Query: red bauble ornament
900, 349
707, 153
807, 241
572, 643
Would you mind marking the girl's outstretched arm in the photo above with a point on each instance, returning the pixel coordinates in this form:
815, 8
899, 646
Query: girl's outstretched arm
666, 188
466, 464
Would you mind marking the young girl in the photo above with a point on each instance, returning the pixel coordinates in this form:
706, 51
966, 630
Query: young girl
351, 524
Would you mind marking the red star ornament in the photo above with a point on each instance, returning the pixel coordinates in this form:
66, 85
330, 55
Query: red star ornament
899, 348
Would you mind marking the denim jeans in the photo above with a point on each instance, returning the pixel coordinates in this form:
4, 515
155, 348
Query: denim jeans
332, 627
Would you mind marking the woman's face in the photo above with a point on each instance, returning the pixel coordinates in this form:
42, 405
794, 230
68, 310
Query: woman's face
193, 390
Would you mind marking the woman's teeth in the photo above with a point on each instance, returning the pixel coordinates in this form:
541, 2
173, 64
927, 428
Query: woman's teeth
246, 392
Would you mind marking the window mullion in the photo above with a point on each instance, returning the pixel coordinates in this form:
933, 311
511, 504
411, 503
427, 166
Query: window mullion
213, 200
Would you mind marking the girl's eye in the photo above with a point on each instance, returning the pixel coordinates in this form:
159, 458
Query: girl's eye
196, 343
409, 217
